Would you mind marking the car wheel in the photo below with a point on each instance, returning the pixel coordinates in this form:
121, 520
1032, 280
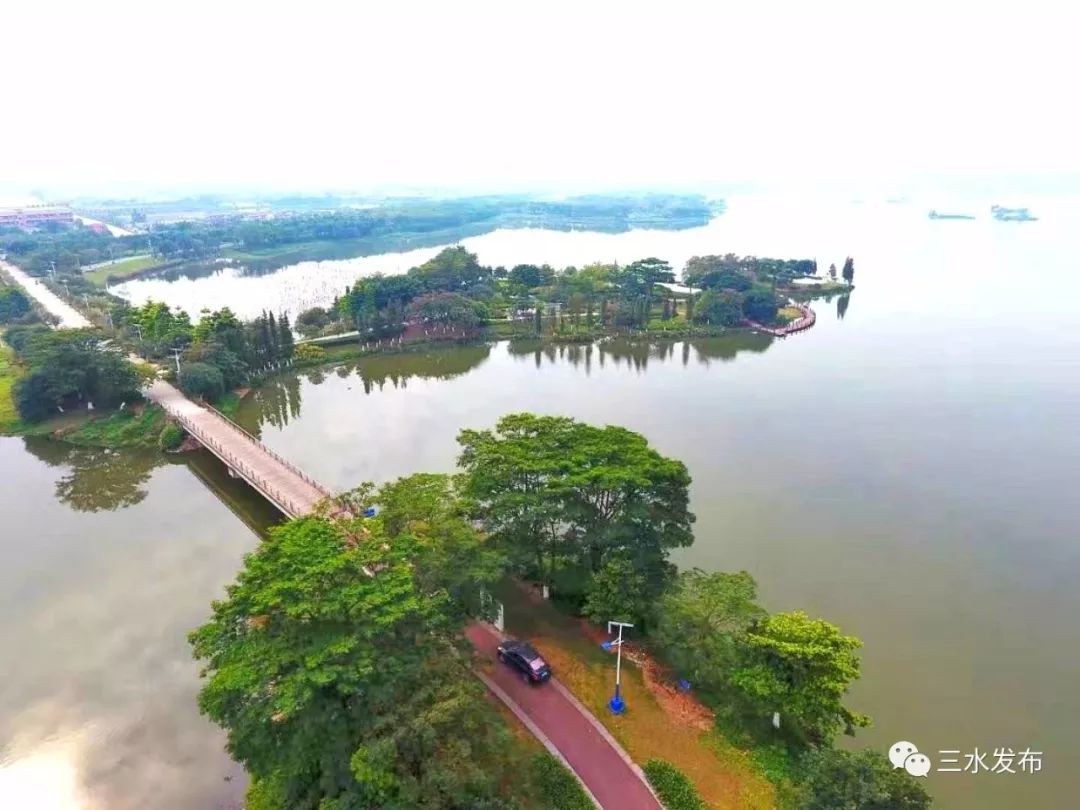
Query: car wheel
501, 657
525, 677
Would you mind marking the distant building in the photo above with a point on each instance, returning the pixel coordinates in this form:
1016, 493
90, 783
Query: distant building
32, 217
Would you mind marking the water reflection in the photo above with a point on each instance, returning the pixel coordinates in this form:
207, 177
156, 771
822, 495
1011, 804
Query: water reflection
97, 479
841, 306
636, 353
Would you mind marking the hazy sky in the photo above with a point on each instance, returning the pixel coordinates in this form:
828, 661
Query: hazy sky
106, 96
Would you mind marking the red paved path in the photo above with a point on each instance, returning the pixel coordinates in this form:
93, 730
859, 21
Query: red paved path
612, 781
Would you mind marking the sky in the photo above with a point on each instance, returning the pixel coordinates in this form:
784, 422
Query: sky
108, 97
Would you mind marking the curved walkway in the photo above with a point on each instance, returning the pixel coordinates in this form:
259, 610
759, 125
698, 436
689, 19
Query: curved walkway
585, 745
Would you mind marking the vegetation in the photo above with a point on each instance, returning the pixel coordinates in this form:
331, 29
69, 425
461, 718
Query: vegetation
66, 368
560, 788
337, 663
574, 506
130, 427
848, 273
10, 371
121, 269
308, 353
845, 780
14, 305
673, 787
171, 437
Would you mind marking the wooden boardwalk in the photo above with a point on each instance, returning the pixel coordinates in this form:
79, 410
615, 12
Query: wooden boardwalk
805, 321
280, 482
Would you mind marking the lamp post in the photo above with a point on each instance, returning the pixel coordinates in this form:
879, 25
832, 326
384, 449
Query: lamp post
616, 704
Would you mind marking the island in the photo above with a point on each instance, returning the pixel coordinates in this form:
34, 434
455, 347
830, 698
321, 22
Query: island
1002, 214
937, 215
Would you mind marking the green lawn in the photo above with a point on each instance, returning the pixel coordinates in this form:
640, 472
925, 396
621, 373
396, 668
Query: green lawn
121, 269
126, 428
10, 372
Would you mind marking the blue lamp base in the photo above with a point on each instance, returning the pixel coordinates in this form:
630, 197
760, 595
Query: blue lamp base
617, 704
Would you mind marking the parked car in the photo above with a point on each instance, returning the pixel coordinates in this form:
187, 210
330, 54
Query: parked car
523, 657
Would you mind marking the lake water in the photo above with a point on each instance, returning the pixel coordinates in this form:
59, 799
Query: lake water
907, 472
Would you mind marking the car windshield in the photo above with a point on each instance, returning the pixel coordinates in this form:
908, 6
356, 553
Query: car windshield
537, 664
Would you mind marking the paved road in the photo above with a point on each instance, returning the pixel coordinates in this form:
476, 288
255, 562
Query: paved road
68, 315
596, 759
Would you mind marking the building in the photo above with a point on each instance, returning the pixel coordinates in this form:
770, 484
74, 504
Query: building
31, 217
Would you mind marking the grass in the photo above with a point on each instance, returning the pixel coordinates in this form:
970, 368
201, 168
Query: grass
126, 428
10, 371
121, 269
788, 314
726, 777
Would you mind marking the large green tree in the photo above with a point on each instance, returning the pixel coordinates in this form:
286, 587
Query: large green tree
701, 623
337, 667
801, 667
562, 497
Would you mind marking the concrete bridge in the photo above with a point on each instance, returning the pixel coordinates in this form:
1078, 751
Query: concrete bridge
283, 484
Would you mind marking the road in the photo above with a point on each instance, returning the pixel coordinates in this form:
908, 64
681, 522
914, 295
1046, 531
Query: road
68, 315
595, 757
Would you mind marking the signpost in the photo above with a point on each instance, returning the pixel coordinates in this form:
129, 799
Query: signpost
616, 704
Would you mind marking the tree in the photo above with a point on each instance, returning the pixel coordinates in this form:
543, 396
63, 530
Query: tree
863, 780
614, 593
832, 271
312, 321
701, 623
342, 679
14, 304
760, 306
718, 309
448, 309
802, 668
561, 496
530, 276
202, 380
286, 344
67, 368
849, 270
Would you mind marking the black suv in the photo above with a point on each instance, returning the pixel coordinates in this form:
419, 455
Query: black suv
523, 657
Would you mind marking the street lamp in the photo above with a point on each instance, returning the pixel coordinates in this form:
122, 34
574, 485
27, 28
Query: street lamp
616, 704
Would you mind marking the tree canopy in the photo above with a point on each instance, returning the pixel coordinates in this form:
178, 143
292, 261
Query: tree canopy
337, 667
563, 498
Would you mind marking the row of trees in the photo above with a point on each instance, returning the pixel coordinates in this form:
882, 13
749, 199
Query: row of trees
218, 353
454, 289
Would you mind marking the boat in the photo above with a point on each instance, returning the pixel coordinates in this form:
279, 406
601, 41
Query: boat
1002, 214
936, 215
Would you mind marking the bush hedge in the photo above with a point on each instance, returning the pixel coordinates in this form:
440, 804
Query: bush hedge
172, 436
673, 787
558, 787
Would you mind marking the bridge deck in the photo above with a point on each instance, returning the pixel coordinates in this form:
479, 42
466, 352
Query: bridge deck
288, 488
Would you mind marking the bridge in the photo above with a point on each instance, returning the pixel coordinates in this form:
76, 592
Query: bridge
282, 483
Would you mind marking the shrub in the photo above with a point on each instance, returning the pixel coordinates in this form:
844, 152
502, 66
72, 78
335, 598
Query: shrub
308, 353
673, 787
202, 380
172, 436
14, 304
557, 785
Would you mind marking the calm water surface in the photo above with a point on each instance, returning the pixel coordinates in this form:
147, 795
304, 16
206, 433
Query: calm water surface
906, 471
106, 562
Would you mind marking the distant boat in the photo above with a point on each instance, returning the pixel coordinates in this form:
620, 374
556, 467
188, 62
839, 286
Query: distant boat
1002, 214
936, 215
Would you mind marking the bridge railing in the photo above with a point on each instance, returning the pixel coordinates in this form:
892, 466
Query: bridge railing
272, 492
258, 443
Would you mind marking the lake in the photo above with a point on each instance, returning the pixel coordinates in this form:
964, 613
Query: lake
906, 472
